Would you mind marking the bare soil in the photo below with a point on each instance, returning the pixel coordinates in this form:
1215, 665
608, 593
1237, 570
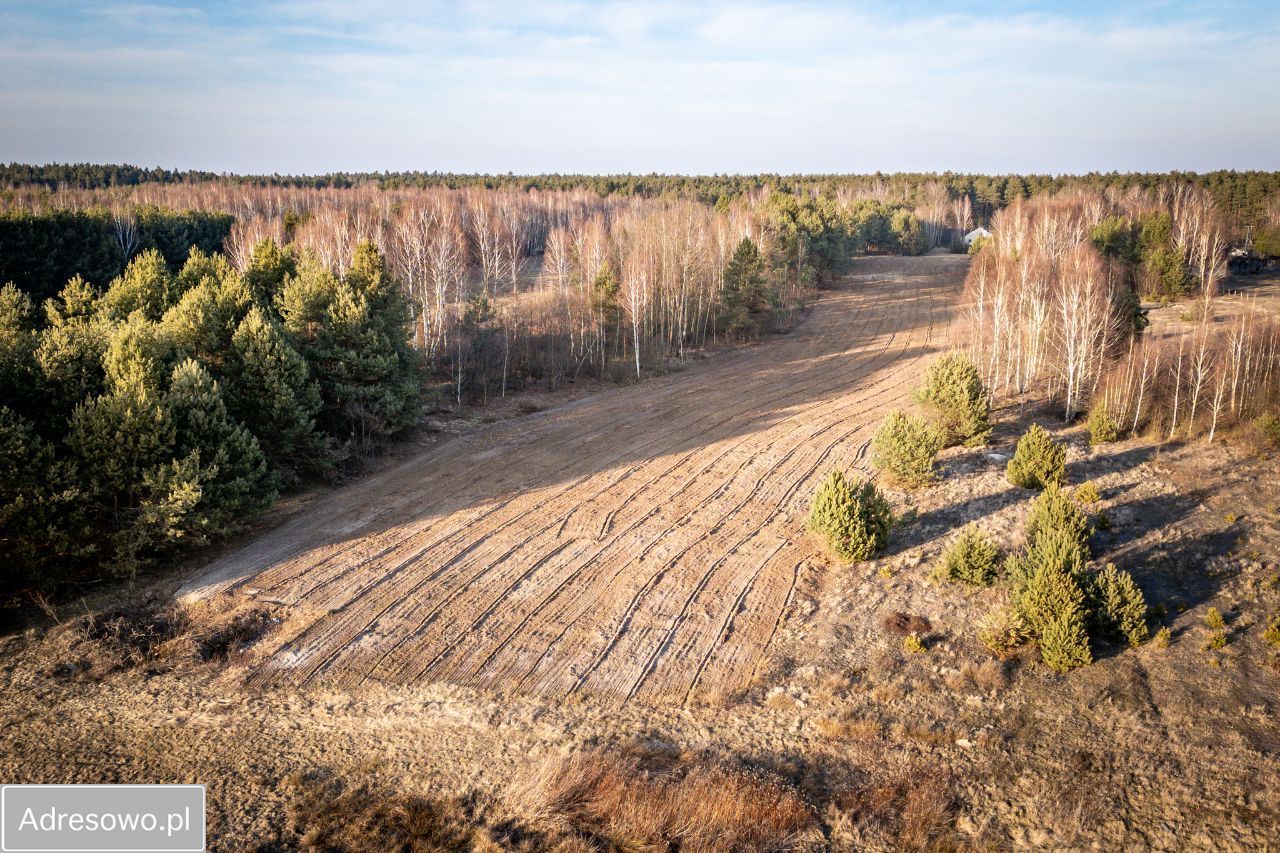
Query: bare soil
641, 543
337, 684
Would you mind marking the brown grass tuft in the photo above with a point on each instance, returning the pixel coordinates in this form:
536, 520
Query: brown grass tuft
915, 811
637, 800
326, 815
848, 728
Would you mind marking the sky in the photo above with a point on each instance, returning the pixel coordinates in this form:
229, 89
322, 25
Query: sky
741, 86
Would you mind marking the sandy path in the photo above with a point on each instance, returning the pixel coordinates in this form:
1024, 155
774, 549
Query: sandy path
640, 543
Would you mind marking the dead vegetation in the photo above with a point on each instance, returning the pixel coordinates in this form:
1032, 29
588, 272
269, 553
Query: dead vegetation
158, 634
642, 798
911, 812
326, 814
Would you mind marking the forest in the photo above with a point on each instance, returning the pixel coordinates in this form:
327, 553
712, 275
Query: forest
1240, 196
237, 340
240, 336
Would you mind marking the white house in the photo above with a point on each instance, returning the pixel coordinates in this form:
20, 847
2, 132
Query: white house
975, 234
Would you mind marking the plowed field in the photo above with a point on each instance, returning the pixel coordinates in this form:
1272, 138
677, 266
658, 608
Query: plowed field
642, 543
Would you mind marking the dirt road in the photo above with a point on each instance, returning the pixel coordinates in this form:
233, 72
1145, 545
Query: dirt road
641, 543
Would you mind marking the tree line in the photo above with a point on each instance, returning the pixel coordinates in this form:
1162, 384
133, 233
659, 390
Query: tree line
1240, 196
43, 249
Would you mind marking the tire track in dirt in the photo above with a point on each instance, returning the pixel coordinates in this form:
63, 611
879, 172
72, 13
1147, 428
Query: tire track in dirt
642, 543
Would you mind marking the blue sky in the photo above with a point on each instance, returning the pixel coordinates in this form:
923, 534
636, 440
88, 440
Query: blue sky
575, 86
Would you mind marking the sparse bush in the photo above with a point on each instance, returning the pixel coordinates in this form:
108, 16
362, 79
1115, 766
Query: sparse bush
1268, 428
1118, 610
906, 448
1037, 461
1002, 630
954, 394
1053, 510
854, 518
1217, 640
1103, 428
971, 559
913, 645
1064, 643
1271, 636
1163, 638
1087, 493
1213, 619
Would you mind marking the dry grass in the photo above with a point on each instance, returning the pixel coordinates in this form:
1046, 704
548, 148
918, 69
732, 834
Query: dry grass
325, 815
913, 812
634, 799
160, 634
984, 677
848, 728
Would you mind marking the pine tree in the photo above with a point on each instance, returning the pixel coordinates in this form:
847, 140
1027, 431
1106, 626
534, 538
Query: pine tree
272, 393
853, 518
76, 302
1118, 610
138, 345
745, 295
69, 358
70, 351
17, 351
367, 391
905, 448
200, 268
232, 473
40, 514
954, 394
1052, 586
119, 439
1054, 510
971, 559
146, 286
1064, 643
368, 380
200, 326
1037, 461
268, 268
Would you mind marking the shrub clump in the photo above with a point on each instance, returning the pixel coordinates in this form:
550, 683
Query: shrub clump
1054, 511
971, 559
906, 448
954, 394
1002, 630
1268, 427
1118, 609
852, 517
1037, 461
1087, 493
1103, 428
1064, 643
1271, 635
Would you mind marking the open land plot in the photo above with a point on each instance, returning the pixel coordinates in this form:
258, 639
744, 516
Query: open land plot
641, 543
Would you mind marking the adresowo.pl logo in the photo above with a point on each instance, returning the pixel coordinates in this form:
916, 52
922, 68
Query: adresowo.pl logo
101, 818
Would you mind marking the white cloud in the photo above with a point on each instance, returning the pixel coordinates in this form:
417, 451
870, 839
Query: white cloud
577, 86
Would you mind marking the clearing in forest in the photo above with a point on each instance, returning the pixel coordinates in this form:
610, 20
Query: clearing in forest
641, 543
